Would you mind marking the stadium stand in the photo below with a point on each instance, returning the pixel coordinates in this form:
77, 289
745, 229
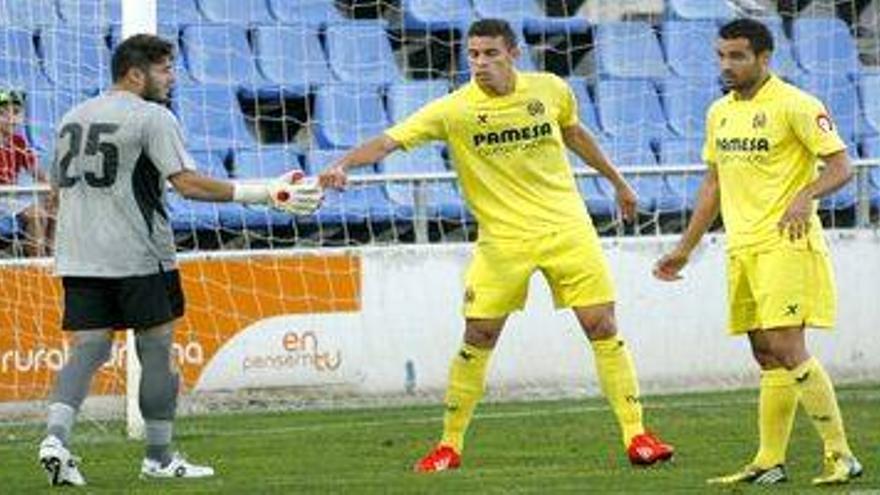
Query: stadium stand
431, 15
824, 45
291, 56
586, 108
406, 97
529, 17
19, 64
715, 10
236, 11
441, 198
347, 114
76, 60
314, 12
689, 45
220, 54
211, 118
360, 52
628, 50
629, 109
686, 100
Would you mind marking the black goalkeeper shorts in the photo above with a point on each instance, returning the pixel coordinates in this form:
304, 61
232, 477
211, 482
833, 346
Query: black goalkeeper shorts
119, 303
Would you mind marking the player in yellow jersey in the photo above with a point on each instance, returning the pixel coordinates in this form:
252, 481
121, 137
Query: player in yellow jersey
762, 140
507, 133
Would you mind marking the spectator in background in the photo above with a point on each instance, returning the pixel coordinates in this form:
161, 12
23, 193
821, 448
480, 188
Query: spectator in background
16, 156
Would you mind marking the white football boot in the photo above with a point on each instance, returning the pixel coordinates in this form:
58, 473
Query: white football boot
177, 468
61, 466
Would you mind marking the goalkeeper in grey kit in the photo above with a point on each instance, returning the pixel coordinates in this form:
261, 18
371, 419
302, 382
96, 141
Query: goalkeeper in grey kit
114, 247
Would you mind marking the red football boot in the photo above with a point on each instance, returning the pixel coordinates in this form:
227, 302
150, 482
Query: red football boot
647, 449
443, 457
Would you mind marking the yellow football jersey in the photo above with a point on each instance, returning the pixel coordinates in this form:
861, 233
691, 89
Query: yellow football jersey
508, 153
765, 150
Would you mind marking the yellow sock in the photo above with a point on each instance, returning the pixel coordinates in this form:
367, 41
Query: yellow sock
617, 377
819, 401
776, 409
467, 376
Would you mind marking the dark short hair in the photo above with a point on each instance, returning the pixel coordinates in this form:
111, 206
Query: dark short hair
493, 28
141, 51
759, 36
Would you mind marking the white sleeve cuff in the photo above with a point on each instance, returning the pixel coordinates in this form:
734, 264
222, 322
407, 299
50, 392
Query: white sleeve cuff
250, 193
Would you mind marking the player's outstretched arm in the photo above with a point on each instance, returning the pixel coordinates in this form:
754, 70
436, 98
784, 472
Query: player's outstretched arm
705, 212
580, 141
373, 151
290, 192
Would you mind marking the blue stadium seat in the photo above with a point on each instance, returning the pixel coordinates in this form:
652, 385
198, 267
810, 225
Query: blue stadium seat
869, 86
595, 195
361, 52
530, 17
630, 109
265, 161
824, 45
715, 10
355, 205
178, 12
348, 114
90, 12
314, 12
840, 97
76, 59
628, 50
211, 117
19, 64
29, 13
651, 189
682, 187
220, 54
44, 111
236, 11
686, 101
690, 47
189, 216
442, 199
291, 55
586, 108
407, 97
783, 62
432, 15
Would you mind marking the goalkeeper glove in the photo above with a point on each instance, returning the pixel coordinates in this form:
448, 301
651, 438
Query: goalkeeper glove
291, 193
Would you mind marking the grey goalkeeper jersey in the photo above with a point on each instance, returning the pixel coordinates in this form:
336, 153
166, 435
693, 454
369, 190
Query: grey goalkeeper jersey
113, 154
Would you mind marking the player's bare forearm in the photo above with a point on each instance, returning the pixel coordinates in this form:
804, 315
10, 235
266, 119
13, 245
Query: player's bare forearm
192, 185
580, 141
372, 151
705, 212
837, 172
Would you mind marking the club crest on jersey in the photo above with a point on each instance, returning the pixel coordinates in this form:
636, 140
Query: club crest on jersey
824, 122
759, 121
535, 108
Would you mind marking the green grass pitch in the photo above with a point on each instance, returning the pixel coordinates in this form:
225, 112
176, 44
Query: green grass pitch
527, 447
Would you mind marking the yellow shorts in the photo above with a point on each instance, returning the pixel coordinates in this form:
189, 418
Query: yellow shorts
571, 260
783, 287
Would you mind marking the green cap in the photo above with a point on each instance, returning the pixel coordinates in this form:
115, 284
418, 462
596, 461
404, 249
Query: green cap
8, 96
